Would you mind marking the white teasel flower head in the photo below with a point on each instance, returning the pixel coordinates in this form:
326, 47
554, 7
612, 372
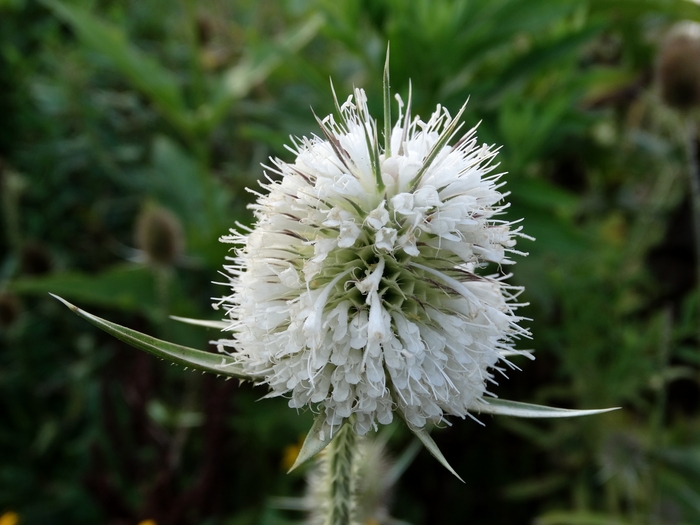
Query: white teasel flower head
358, 290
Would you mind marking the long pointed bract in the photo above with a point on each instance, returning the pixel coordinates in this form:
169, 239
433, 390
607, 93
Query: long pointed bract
206, 361
505, 407
387, 107
316, 440
432, 447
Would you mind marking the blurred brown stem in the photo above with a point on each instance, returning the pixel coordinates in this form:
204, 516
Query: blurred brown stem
10, 206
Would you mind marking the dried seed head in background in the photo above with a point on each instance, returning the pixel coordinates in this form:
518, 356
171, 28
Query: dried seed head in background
159, 235
35, 258
678, 66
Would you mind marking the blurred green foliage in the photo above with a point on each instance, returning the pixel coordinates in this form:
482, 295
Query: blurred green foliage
109, 107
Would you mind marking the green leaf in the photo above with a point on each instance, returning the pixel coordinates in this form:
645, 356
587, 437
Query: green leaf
432, 447
175, 181
316, 440
683, 460
539, 487
189, 357
680, 489
543, 195
543, 57
146, 74
538, 436
530, 128
555, 235
126, 287
173, 418
255, 67
672, 9
504, 407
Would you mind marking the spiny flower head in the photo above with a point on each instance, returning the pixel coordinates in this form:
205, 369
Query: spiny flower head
359, 287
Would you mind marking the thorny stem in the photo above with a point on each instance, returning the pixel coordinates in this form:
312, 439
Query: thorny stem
694, 176
340, 482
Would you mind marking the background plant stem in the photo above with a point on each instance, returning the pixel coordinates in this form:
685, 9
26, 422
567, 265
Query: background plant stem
693, 174
10, 208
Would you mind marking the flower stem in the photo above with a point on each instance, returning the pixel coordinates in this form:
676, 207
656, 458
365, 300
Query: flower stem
694, 177
339, 458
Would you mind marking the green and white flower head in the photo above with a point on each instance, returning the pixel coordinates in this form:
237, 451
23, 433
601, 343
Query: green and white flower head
359, 289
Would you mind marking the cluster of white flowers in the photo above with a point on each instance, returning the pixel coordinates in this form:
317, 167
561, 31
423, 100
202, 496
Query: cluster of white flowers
357, 287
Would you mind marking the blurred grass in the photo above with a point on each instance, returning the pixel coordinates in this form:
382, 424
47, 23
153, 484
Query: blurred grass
108, 106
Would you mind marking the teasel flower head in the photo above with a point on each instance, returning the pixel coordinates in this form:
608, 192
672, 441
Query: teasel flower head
678, 66
360, 289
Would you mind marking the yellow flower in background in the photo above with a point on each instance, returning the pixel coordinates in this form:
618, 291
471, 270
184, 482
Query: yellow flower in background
9, 518
290, 454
